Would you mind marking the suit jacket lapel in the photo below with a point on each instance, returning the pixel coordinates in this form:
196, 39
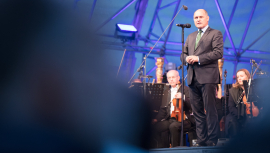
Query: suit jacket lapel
203, 37
169, 95
192, 49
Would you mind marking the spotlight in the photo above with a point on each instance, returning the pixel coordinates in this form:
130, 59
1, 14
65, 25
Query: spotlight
125, 32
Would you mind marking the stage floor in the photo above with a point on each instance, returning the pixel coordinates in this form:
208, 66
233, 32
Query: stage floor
214, 149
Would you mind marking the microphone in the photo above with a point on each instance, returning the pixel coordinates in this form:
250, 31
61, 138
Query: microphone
184, 25
185, 7
255, 64
179, 67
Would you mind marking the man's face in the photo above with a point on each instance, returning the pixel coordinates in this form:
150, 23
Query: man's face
173, 78
200, 19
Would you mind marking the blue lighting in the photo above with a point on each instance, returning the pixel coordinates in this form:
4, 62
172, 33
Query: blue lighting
124, 27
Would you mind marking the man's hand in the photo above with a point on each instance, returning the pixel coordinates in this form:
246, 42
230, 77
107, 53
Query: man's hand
178, 95
192, 59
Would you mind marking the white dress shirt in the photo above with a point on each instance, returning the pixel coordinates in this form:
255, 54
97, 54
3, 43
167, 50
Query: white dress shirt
203, 31
173, 93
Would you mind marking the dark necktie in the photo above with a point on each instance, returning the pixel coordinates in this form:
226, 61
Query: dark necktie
198, 38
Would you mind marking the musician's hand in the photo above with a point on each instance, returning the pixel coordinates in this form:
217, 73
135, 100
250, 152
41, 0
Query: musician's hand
255, 110
178, 95
154, 121
248, 105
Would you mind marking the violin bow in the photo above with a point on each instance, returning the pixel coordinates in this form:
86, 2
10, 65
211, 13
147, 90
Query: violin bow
121, 62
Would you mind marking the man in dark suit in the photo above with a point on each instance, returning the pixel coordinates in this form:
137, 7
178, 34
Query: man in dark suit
163, 121
202, 50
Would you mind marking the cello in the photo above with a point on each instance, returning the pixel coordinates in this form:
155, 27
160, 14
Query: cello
176, 113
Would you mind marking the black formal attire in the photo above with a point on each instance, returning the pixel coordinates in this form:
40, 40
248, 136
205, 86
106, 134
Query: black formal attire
219, 108
165, 122
202, 79
234, 121
220, 112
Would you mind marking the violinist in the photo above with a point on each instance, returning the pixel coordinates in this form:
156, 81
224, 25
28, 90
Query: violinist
238, 106
164, 122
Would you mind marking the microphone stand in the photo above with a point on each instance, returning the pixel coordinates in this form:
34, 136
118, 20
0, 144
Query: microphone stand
249, 83
144, 79
250, 107
182, 95
143, 64
225, 103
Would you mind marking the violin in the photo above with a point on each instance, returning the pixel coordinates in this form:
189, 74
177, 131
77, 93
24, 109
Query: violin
255, 110
176, 113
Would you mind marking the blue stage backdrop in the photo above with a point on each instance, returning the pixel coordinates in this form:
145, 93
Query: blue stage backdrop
246, 22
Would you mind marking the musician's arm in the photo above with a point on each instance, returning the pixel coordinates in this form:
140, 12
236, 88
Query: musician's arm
187, 106
161, 114
186, 95
232, 106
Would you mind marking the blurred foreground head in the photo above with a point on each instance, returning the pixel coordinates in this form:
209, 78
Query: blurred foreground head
57, 94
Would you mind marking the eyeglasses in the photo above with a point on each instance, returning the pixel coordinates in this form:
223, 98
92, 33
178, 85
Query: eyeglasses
173, 77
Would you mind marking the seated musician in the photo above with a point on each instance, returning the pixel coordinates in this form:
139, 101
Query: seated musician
235, 121
163, 121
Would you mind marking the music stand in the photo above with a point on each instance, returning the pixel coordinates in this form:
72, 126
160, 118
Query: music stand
255, 94
154, 93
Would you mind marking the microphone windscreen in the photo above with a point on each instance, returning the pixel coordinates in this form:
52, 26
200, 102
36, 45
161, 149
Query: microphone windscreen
188, 25
185, 7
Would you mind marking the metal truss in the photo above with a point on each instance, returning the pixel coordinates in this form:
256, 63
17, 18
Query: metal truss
236, 57
116, 14
238, 52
